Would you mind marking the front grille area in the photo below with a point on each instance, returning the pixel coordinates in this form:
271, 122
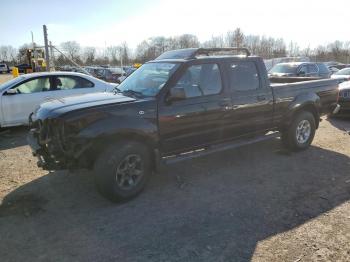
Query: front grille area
345, 94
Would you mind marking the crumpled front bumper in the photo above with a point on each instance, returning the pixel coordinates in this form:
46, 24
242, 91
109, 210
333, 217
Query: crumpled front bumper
45, 160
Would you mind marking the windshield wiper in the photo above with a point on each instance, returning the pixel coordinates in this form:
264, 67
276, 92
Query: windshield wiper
117, 90
133, 93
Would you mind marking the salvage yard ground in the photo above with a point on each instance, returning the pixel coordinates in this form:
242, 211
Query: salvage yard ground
258, 203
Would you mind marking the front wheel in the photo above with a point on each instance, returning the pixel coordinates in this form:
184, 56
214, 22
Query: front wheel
301, 132
121, 171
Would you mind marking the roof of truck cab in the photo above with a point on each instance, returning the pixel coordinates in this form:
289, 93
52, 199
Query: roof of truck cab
210, 58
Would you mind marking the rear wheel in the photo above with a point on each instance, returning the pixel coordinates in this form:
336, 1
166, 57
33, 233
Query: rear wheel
121, 172
301, 132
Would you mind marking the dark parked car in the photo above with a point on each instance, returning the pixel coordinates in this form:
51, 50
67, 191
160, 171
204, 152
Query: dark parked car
128, 72
298, 71
22, 68
184, 104
109, 74
344, 98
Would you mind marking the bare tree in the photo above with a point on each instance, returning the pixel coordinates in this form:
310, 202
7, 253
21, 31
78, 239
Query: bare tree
72, 49
293, 49
124, 53
112, 53
8, 53
187, 41
235, 38
306, 51
89, 54
215, 41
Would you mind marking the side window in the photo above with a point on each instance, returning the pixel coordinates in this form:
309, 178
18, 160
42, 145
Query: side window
201, 80
69, 82
312, 68
34, 86
83, 83
100, 72
323, 68
303, 70
244, 76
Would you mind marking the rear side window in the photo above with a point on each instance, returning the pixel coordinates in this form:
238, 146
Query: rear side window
244, 76
70, 82
312, 68
303, 70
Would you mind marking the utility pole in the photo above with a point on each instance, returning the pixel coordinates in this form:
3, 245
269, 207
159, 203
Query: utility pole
35, 56
47, 55
33, 45
52, 56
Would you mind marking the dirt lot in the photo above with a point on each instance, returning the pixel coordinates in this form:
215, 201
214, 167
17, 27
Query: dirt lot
259, 203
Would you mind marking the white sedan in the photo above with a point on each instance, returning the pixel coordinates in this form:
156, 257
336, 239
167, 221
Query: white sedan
342, 74
22, 95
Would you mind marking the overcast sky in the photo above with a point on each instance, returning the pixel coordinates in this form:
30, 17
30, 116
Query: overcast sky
106, 22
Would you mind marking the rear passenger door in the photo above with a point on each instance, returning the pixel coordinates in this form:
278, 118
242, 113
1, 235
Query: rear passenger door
202, 117
252, 100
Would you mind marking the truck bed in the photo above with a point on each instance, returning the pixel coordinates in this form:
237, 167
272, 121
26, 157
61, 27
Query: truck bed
324, 92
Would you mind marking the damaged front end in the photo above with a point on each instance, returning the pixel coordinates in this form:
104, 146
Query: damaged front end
54, 143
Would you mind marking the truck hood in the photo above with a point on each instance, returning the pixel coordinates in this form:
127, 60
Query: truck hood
60, 106
344, 85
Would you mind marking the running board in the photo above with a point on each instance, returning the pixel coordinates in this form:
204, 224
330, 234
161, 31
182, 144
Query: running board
217, 148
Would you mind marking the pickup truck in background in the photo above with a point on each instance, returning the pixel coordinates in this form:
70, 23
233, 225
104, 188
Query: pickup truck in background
184, 104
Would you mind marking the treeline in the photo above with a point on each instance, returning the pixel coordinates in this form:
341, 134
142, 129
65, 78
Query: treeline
266, 47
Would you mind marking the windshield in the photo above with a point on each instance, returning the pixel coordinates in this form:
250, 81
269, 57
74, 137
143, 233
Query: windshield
284, 68
149, 79
345, 71
11, 82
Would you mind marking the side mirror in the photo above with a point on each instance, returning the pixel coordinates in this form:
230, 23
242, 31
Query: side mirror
12, 91
301, 73
176, 94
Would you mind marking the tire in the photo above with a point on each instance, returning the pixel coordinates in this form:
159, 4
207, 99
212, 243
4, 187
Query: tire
300, 134
114, 168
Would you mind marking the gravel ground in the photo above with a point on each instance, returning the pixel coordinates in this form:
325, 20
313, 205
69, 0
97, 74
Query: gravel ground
257, 203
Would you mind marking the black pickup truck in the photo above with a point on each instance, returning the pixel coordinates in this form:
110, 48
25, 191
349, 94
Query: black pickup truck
185, 103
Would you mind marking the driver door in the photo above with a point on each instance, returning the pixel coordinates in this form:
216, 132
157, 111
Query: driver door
16, 107
201, 118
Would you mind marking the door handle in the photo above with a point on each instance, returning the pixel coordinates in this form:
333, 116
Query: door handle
225, 105
261, 98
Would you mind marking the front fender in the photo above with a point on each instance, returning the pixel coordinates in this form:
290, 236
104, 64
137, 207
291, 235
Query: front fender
121, 125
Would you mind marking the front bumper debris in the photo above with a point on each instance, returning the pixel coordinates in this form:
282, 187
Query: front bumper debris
45, 161
336, 109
